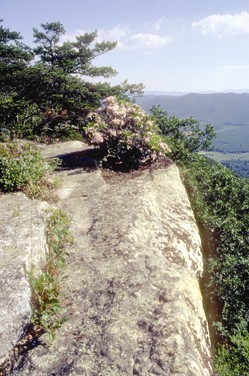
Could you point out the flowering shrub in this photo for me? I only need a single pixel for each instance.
(125, 133)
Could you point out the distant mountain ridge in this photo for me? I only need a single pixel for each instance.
(215, 108)
(164, 92)
(228, 112)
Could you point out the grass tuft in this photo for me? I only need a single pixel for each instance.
(48, 311)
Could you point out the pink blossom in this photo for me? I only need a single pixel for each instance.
(116, 122)
(164, 147)
(112, 132)
(97, 138)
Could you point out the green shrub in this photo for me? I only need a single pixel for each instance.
(233, 359)
(21, 165)
(47, 308)
(220, 200)
(125, 133)
(184, 136)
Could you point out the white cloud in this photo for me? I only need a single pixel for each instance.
(149, 41)
(222, 25)
(126, 39)
(116, 33)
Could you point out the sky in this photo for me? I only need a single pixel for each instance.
(168, 45)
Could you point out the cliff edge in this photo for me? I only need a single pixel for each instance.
(131, 286)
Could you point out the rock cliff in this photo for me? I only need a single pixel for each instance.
(131, 286)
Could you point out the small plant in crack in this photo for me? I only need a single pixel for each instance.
(47, 307)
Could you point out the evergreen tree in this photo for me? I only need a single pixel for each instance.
(14, 58)
(71, 57)
(51, 96)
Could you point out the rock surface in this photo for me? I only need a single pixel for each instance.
(22, 244)
(131, 290)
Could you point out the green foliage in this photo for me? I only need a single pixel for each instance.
(126, 135)
(240, 167)
(124, 90)
(58, 235)
(47, 307)
(233, 359)
(21, 165)
(184, 136)
(64, 98)
(71, 57)
(49, 98)
(220, 200)
(233, 138)
(228, 112)
(14, 58)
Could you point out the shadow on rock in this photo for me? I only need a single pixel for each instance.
(88, 160)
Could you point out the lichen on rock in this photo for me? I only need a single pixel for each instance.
(134, 305)
(22, 245)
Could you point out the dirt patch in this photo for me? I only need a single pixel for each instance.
(112, 176)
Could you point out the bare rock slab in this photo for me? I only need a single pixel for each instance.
(22, 244)
(134, 305)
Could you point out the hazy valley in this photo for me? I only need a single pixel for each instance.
(227, 112)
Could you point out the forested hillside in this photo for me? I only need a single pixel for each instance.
(218, 108)
(228, 112)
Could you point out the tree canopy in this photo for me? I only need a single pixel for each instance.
(185, 136)
(71, 57)
(44, 90)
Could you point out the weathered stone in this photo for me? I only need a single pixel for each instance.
(133, 301)
(22, 244)
(62, 148)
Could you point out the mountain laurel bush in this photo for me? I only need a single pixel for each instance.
(125, 133)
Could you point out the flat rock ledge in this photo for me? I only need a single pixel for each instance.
(131, 289)
(22, 246)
